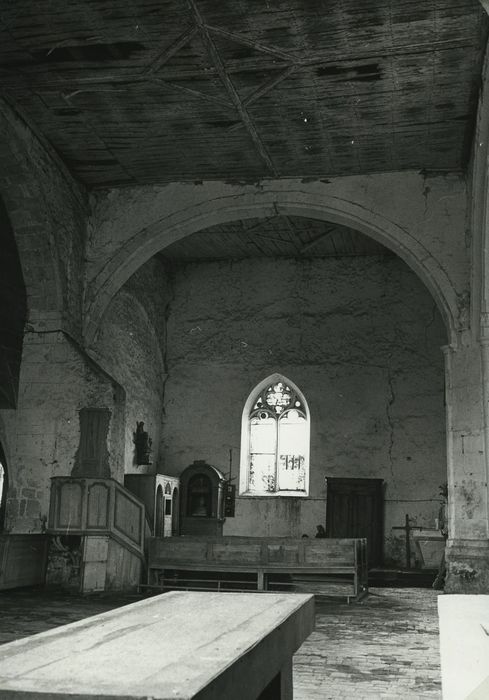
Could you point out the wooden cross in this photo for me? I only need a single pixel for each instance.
(407, 527)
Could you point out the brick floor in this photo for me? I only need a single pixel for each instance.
(384, 647)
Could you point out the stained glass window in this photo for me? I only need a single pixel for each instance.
(278, 440)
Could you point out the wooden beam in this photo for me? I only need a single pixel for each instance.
(231, 90)
(195, 93)
(263, 89)
(322, 237)
(292, 231)
(252, 44)
(170, 51)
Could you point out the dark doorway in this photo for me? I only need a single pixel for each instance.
(354, 508)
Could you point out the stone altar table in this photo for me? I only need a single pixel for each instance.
(178, 646)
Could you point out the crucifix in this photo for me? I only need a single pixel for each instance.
(407, 527)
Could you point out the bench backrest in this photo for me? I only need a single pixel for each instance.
(256, 551)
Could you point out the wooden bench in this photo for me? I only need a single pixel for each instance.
(174, 646)
(333, 559)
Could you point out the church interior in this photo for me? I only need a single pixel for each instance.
(244, 318)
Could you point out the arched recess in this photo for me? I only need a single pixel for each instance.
(150, 240)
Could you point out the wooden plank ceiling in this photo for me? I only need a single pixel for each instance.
(154, 91)
(278, 236)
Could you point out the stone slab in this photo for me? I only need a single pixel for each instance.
(176, 645)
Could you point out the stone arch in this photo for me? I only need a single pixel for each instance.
(155, 237)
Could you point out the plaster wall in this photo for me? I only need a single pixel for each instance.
(41, 437)
(129, 346)
(360, 337)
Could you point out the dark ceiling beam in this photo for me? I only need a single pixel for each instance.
(195, 93)
(316, 240)
(294, 239)
(236, 38)
(259, 224)
(266, 87)
(160, 61)
(231, 90)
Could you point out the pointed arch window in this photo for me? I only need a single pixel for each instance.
(275, 440)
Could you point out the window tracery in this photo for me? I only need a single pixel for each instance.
(277, 441)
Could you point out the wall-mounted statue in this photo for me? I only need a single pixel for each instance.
(143, 444)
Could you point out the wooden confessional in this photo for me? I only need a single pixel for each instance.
(202, 489)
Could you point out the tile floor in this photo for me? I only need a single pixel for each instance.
(384, 647)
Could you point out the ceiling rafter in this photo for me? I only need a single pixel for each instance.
(231, 90)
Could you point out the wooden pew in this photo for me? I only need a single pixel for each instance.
(334, 559)
(174, 646)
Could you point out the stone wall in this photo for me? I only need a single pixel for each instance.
(360, 337)
(129, 346)
(41, 437)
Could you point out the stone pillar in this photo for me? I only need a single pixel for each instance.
(467, 438)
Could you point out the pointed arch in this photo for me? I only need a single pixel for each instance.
(275, 440)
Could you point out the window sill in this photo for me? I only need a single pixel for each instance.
(274, 494)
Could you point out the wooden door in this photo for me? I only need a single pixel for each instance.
(354, 508)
